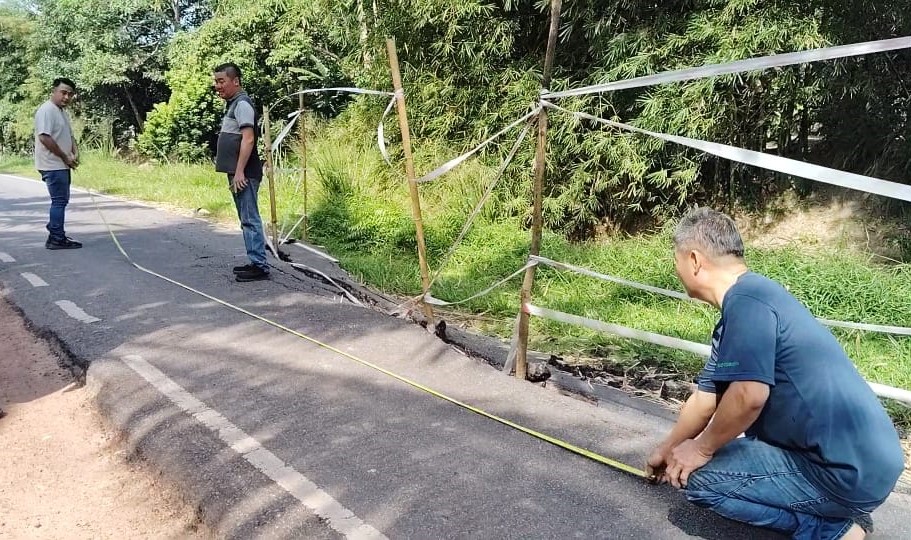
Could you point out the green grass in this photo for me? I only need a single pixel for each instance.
(359, 210)
(367, 225)
(186, 186)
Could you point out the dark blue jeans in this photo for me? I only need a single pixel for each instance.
(756, 483)
(58, 186)
(250, 223)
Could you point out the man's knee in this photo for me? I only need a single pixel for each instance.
(708, 488)
(699, 492)
(703, 497)
(700, 479)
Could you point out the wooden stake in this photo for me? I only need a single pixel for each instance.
(270, 172)
(303, 136)
(409, 172)
(537, 223)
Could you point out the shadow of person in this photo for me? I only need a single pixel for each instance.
(701, 523)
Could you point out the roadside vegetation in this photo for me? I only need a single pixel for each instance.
(359, 212)
(147, 118)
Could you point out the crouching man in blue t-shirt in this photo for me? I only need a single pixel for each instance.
(820, 452)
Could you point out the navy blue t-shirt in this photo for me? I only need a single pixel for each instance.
(819, 406)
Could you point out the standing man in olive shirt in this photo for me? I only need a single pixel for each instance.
(237, 156)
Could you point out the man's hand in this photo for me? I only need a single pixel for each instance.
(694, 417)
(239, 182)
(687, 457)
(655, 466)
(70, 160)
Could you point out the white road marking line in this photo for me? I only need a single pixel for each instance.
(5, 257)
(300, 487)
(75, 311)
(33, 279)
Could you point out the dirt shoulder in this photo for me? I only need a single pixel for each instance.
(62, 471)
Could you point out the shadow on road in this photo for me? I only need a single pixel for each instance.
(401, 459)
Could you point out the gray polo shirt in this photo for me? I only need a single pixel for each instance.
(52, 120)
(238, 115)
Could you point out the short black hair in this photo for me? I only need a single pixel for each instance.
(63, 80)
(228, 68)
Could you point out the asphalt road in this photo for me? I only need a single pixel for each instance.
(275, 437)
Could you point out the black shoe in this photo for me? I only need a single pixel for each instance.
(865, 522)
(65, 243)
(256, 274)
(244, 268)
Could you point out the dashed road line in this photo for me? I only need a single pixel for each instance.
(6, 257)
(34, 279)
(75, 311)
(299, 486)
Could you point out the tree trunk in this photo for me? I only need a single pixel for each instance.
(175, 10)
(136, 114)
(366, 57)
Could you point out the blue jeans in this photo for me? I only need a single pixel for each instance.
(58, 186)
(756, 483)
(250, 222)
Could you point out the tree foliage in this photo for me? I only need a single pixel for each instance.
(114, 51)
(471, 66)
(15, 31)
(274, 63)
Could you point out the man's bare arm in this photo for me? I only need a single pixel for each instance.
(246, 149)
(54, 148)
(694, 417)
(739, 408)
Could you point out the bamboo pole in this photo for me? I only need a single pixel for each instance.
(537, 217)
(303, 136)
(409, 172)
(270, 172)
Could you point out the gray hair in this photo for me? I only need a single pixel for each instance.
(709, 231)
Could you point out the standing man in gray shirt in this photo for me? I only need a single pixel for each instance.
(55, 155)
(237, 156)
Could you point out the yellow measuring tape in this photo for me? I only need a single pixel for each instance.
(537, 434)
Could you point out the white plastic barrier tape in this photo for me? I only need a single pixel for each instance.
(739, 66)
(437, 302)
(282, 238)
(700, 349)
(455, 162)
(612, 279)
(622, 331)
(381, 132)
(882, 329)
(792, 167)
(345, 292)
(292, 119)
(898, 394)
(481, 202)
(346, 89)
